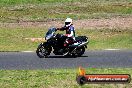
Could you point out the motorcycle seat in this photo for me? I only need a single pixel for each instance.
(81, 38)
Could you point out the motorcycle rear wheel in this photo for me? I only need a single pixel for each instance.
(79, 52)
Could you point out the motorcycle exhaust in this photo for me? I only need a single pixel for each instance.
(84, 43)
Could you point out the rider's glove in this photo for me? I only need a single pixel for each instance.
(56, 29)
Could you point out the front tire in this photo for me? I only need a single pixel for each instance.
(43, 52)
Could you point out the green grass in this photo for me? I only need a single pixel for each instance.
(56, 78)
(43, 10)
(14, 39)
(14, 2)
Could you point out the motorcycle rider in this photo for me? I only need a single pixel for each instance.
(70, 31)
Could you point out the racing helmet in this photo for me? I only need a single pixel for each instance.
(68, 22)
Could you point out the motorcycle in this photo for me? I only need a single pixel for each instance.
(56, 42)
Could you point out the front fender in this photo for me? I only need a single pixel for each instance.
(45, 45)
(42, 44)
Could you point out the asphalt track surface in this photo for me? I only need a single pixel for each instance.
(94, 59)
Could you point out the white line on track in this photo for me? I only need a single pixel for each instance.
(27, 51)
(112, 49)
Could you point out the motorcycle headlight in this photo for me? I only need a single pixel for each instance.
(47, 37)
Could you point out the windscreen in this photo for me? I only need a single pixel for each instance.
(50, 33)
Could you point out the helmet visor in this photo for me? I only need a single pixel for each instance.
(67, 23)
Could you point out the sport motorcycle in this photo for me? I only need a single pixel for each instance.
(55, 42)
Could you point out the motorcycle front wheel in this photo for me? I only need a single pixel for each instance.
(42, 52)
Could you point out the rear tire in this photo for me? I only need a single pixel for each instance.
(79, 52)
